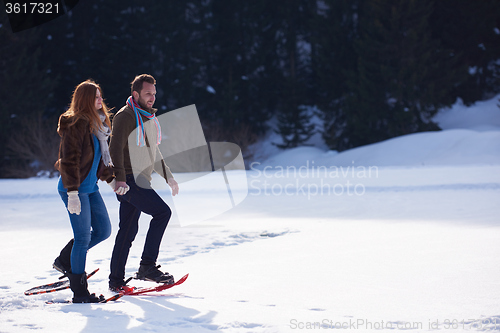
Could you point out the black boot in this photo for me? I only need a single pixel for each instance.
(79, 286)
(63, 262)
(152, 273)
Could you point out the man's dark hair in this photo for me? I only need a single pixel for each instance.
(136, 84)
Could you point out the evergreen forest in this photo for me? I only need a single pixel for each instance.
(369, 69)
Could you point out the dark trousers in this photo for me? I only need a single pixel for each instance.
(138, 199)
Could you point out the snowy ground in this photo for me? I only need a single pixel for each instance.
(399, 235)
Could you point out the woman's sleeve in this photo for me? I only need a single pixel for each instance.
(71, 153)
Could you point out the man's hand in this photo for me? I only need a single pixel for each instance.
(120, 188)
(174, 186)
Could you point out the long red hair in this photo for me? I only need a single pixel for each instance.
(83, 106)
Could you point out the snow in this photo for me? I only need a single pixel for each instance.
(449, 147)
(211, 89)
(482, 116)
(401, 234)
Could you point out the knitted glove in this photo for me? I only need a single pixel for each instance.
(74, 206)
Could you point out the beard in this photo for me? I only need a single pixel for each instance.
(144, 106)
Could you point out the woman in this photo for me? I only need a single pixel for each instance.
(83, 159)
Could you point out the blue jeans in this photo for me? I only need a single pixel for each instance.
(90, 228)
(138, 199)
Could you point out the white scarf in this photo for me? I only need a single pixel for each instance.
(103, 135)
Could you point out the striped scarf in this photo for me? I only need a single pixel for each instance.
(138, 120)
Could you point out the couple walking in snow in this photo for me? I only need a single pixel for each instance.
(84, 158)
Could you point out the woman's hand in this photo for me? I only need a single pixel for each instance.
(74, 205)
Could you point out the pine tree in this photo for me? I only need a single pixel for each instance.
(403, 75)
(128, 41)
(294, 122)
(181, 58)
(264, 78)
(226, 61)
(27, 90)
(67, 50)
(240, 62)
(334, 60)
(471, 30)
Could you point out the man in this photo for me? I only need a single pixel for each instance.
(138, 114)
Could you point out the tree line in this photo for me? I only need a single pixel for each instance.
(370, 69)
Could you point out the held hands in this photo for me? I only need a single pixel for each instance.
(74, 205)
(174, 186)
(120, 188)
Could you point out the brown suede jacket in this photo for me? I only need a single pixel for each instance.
(76, 154)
